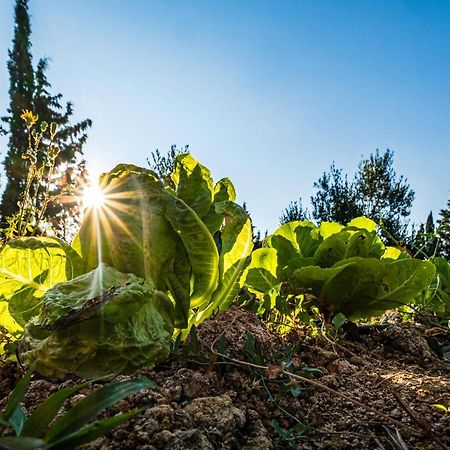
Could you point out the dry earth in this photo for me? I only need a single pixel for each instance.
(216, 403)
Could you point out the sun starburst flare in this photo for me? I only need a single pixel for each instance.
(105, 207)
(93, 197)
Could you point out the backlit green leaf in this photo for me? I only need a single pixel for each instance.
(261, 274)
(29, 267)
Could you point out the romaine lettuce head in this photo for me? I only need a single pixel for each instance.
(145, 229)
(99, 323)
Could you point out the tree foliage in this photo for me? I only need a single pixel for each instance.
(164, 165)
(444, 231)
(294, 211)
(30, 90)
(336, 198)
(383, 196)
(374, 191)
(425, 243)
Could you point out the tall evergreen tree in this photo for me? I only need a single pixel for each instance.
(424, 244)
(383, 196)
(30, 90)
(21, 90)
(444, 231)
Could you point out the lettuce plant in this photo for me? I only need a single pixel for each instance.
(192, 241)
(436, 298)
(189, 241)
(99, 323)
(338, 269)
(28, 268)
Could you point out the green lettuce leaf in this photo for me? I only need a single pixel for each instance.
(261, 274)
(99, 323)
(139, 230)
(130, 232)
(28, 268)
(223, 191)
(237, 245)
(333, 249)
(194, 184)
(200, 247)
(363, 287)
(405, 279)
(362, 223)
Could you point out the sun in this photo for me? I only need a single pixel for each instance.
(93, 197)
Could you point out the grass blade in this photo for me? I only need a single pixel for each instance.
(18, 394)
(14, 413)
(87, 409)
(43, 415)
(92, 431)
(17, 419)
(21, 443)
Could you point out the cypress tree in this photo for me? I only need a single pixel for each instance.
(21, 77)
(30, 90)
(444, 231)
(424, 243)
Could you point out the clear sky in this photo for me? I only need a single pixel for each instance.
(269, 93)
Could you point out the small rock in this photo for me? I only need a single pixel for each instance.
(162, 414)
(216, 412)
(259, 438)
(252, 415)
(342, 366)
(75, 399)
(162, 438)
(188, 440)
(196, 386)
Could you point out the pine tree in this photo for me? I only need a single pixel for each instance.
(424, 244)
(30, 90)
(383, 196)
(444, 231)
(374, 191)
(21, 91)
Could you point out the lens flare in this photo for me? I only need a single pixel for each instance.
(93, 197)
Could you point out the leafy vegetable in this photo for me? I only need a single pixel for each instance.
(189, 240)
(345, 270)
(228, 224)
(99, 323)
(364, 287)
(28, 267)
(436, 298)
(237, 244)
(192, 241)
(141, 229)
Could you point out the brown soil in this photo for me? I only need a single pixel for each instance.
(208, 402)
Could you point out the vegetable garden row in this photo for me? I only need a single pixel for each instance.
(155, 260)
(151, 263)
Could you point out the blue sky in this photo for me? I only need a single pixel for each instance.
(269, 93)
